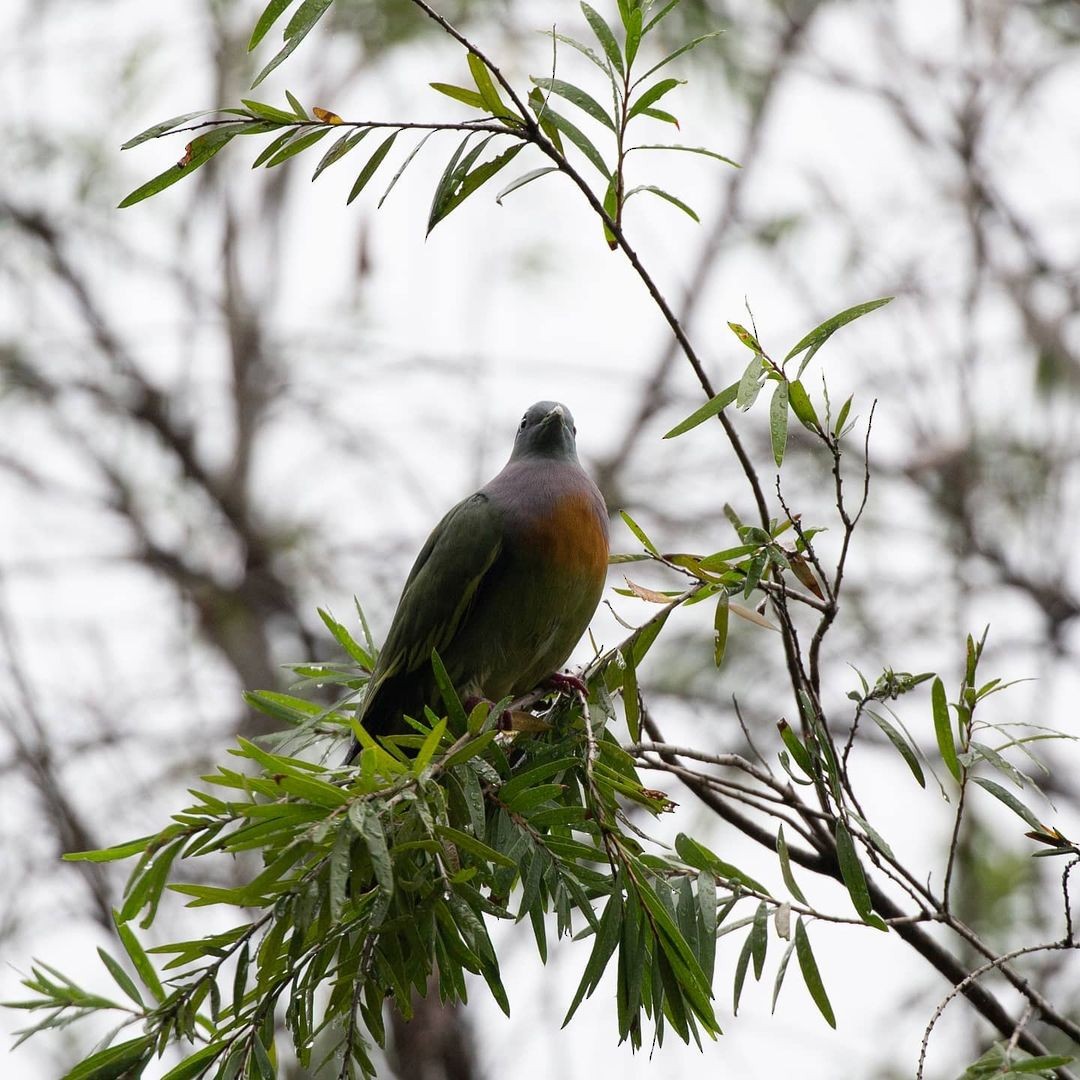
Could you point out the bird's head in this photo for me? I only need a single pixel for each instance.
(546, 430)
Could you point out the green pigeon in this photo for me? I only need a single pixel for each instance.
(505, 585)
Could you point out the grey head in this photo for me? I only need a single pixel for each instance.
(546, 431)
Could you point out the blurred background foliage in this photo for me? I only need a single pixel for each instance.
(239, 401)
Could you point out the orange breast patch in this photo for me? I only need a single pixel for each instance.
(572, 538)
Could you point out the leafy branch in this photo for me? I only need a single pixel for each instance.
(369, 880)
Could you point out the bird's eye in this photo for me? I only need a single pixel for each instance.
(574, 429)
(524, 421)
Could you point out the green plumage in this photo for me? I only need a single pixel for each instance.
(505, 585)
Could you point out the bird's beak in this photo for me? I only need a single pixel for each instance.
(555, 414)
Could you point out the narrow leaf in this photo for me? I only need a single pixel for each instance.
(339, 150)
(469, 183)
(576, 96)
(271, 13)
(802, 406)
(653, 94)
(525, 178)
(488, 92)
(902, 746)
(720, 628)
(605, 36)
(688, 150)
(852, 872)
(778, 422)
(785, 870)
(750, 384)
(811, 975)
(711, 407)
(368, 171)
(674, 200)
(943, 729)
(820, 334)
(1011, 801)
(459, 93)
(200, 150)
(679, 52)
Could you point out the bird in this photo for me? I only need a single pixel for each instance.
(504, 587)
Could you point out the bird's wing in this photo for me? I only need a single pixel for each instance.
(440, 590)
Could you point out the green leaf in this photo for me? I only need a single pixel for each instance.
(581, 48)
(701, 858)
(852, 872)
(759, 938)
(115, 1062)
(195, 1065)
(811, 975)
(123, 979)
(268, 112)
(272, 147)
(686, 149)
(525, 178)
(742, 965)
(842, 417)
(711, 407)
(797, 750)
(902, 746)
(165, 126)
(943, 728)
(633, 33)
(535, 775)
(298, 144)
(802, 406)
(271, 13)
(605, 36)
(299, 111)
(373, 162)
(746, 338)
(720, 628)
(459, 93)
(1011, 801)
(402, 167)
(455, 711)
(666, 9)
(659, 114)
(139, 960)
(785, 870)
(576, 96)
(611, 209)
(278, 59)
(778, 422)
(781, 971)
(469, 182)
(664, 195)
(200, 150)
(110, 854)
(1044, 1064)
(305, 17)
(652, 95)
(820, 334)
(488, 92)
(631, 705)
(339, 150)
(679, 52)
(607, 937)
(573, 133)
(430, 745)
(750, 384)
(639, 532)
(474, 847)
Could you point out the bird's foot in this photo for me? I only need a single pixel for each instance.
(566, 684)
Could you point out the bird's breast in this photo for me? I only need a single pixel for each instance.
(570, 537)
